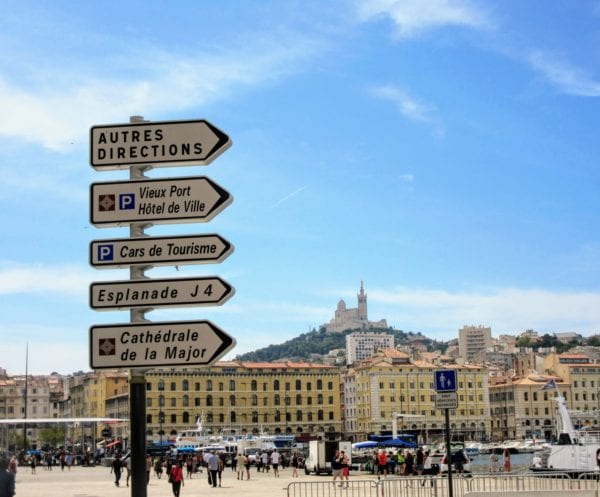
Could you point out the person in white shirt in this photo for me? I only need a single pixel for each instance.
(275, 458)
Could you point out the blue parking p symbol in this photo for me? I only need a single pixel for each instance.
(126, 201)
(106, 252)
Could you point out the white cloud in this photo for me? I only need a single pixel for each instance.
(414, 16)
(409, 106)
(567, 78)
(36, 278)
(504, 309)
(54, 115)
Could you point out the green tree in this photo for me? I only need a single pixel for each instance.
(53, 436)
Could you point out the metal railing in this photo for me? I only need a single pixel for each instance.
(437, 486)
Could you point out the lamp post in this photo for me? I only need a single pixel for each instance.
(161, 420)
(287, 403)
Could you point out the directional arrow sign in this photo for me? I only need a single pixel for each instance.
(167, 143)
(159, 201)
(177, 292)
(159, 251)
(180, 343)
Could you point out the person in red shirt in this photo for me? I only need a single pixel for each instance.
(176, 477)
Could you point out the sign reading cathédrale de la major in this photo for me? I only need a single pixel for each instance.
(160, 143)
(159, 201)
(177, 343)
(173, 292)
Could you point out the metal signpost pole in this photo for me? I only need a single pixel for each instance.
(448, 452)
(137, 377)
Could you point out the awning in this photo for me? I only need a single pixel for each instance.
(112, 444)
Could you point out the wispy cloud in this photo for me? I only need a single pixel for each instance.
(571, 80)
(504, 309)
(18, 278)
(411, 17)
(158, 81)
(409, 106)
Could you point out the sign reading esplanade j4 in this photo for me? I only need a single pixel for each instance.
(180, 343)
(169, 200)
(174, 292)
(166, 143)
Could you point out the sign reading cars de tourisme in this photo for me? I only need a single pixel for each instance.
(166, 143)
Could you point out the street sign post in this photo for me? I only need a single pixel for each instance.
(446, 400)
(150, 293)
(135, 345)
(445, 380)
(159, 251)
(181, 200)
(157, 143)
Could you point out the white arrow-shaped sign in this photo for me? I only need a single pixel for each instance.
(159, 251)
(137, 345)
(158, 201)
(174, 292)
(166, 143)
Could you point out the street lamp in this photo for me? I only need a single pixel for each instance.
(161, 420)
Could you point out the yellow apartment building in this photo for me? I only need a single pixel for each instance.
(390, 385)
(240, 397)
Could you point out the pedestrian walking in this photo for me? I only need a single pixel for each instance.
(494, 462)
(116, 469)
(275, 459)
(176, 478)
(506, 461)
(345, 467)
(294, 463)
(241, 463)
(158, 467)
(213, 469)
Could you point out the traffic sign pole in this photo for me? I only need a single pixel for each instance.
(137, 377)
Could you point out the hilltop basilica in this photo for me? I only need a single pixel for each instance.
(355, 318)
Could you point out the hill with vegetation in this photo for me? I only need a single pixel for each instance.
(302, 347)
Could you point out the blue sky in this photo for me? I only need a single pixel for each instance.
(445, 152)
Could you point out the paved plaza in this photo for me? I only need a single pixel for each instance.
(99, 482)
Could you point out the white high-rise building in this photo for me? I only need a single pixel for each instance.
(360, 346)
(472, 340)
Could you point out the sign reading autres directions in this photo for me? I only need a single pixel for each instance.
(157, 344)
(174, 292)
(160, 143)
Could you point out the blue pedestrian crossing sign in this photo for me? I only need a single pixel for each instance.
(445, 380)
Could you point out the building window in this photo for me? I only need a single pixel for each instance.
(298, 415)
(209, 400)
(276, 399)
(185, 385)
(173, 386)
(197, 386)
(320, 399)
(232, 416)
(232, 400)
(209, 385)
(253, 386)
(320, 415)
(173, 402)
(185, 401)
(232, 385)
(276, 385)
(254, 400)
(173, 418)
(298, 399)
(186, 417)
(161, 385)
(319, 384)
(298, 385)
(220, 386)
(197, 402)
(161, 400)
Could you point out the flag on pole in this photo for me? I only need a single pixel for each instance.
(551, 385)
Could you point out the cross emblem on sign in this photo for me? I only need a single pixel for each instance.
(107, 346)
(106, 202)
